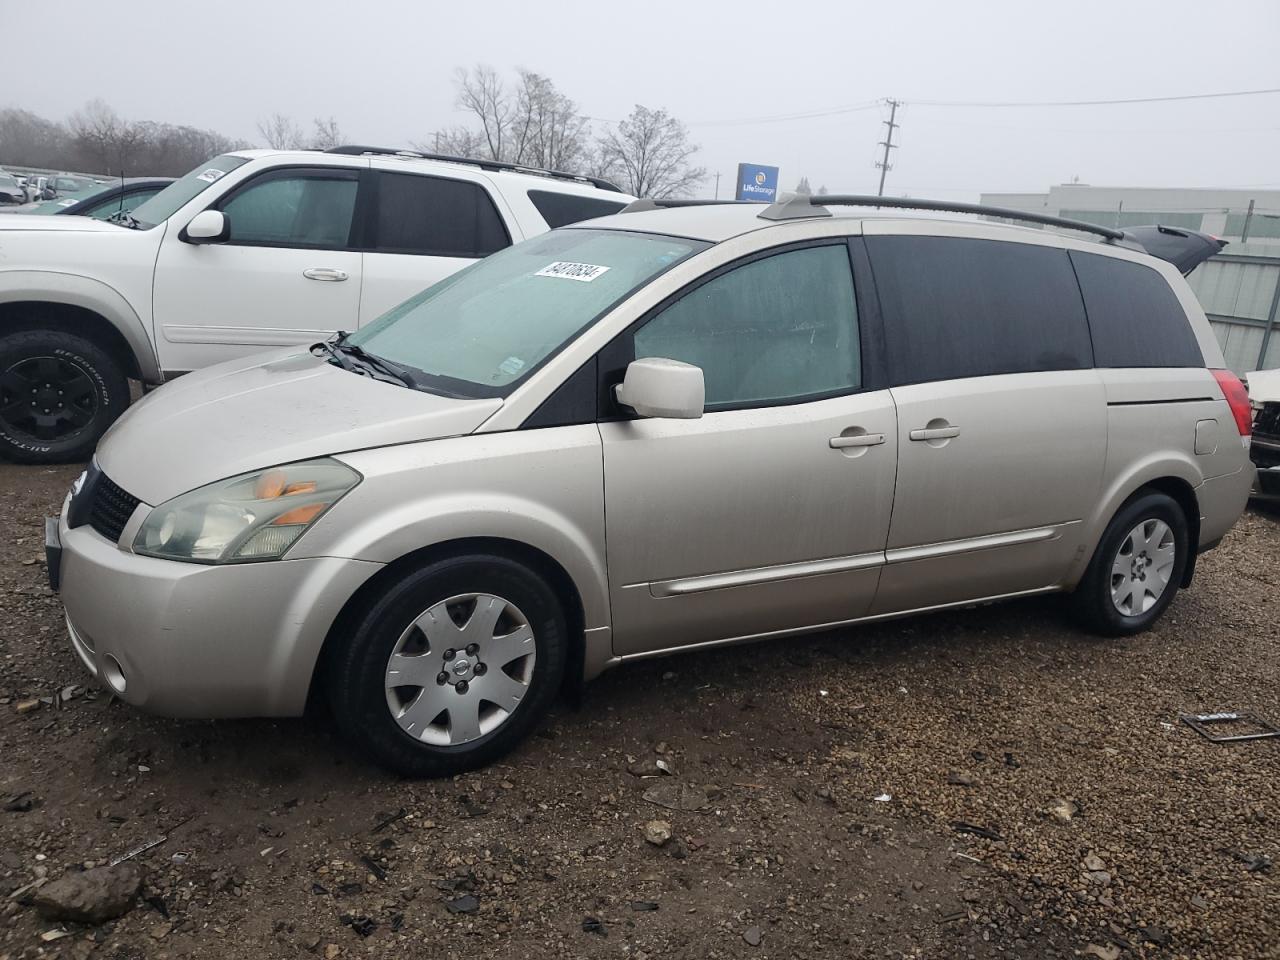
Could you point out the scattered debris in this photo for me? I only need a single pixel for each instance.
(652, 767)
(959, 826)
(882, 797)
(1063, 810)
(20, 803)
(643, 906)
(466, 904)
(89, 896)
(140, 848)
(387, 821)
(161, 930)
(1253, 862)
(752, 935)
(181, 857)
(27, 706)
(1201, 723)
(1109, 952)
(961, 780)
(360, 924)
(1093, 862)
(594, 925)
(157, 904)
(657, 832)
(675, 795)
(375, 868)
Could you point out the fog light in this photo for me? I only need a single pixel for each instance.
(113, 673)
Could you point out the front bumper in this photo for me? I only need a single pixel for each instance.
(191, 640)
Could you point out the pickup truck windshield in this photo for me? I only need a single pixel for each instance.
(173, 197)
(482, 330)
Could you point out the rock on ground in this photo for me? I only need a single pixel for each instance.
(90, 896)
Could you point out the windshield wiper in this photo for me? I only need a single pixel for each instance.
(125, 219)
(381, 364)
(333, 353)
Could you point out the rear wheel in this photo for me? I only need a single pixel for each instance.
(1137, 568)
(58, 394)
(452, 667)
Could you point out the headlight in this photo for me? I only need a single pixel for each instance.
(255, 516)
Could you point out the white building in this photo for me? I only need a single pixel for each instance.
(1239, 289)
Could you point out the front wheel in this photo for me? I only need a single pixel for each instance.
(1137, 567)
(451, 667)
(58, 394)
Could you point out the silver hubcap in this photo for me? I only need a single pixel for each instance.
(460, 669)
(1143, 565)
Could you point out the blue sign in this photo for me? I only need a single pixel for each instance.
(757, 183)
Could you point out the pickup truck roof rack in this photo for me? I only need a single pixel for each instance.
(359, 150)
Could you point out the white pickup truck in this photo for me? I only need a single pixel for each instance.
(252, 250)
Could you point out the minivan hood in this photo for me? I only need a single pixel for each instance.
(1264, 386)
(266, 410)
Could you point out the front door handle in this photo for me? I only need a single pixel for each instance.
(325, 273)
(935, 433)
(857, 440)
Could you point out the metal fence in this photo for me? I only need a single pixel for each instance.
(1241, 295)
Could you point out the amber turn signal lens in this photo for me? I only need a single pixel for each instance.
(305, 486)
(299, 515)
(270, 485)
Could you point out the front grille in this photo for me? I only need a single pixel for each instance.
(111, 508)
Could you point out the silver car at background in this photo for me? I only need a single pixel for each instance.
(665, 429)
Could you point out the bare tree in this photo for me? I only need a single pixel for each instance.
(27, 140)
(802, 188)
(280, 133)
(104, 138)
(327, 135)
(454, 142)
(482, 93)
(650, 154)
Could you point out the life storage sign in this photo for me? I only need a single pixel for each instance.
(757, 183)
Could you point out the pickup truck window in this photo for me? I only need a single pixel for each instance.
(437, 217)
(175, 196)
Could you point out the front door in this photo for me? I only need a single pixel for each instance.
(770, 512)
(286, 275)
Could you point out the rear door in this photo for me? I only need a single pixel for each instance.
(1002, 429)
(770, 512)
(422, 228)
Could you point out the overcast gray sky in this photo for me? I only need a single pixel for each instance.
(384, 70)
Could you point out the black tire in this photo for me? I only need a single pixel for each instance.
(40, 369)
(1093, 597)
(357, 671)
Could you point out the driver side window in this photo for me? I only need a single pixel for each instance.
(780, 329)
(294, 208)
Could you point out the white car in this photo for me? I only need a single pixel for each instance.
(251, 250)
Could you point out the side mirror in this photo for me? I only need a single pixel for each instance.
(208, 226)
(657, 387)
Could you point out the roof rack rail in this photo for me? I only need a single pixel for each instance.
(801, 205)
(359, 150)
(648, 203)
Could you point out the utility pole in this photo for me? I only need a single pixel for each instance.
(1248, 218)
(887, 143)
(717, 186)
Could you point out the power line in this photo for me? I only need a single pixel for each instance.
(1091, 103)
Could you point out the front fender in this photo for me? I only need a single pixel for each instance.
(538, 488)
(48, 286)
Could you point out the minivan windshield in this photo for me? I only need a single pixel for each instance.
(173, 197)
(480, 331)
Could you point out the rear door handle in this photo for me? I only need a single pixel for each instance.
(935, 433)
(857, 440)
(325, 273)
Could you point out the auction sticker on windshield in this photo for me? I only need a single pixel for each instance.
(566, 270)
(210, 175)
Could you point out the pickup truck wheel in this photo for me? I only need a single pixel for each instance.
(58, 394)
(451, 667)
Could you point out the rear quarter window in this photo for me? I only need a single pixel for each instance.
(957, 307)
(1135, 319)
(561, 209)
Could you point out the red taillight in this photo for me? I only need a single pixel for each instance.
(1237, 399)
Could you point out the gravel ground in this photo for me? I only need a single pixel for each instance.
(984, 783)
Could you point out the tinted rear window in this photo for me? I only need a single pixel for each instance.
(957, 308)
(1135, 318)
(434, 216)
(559, 209)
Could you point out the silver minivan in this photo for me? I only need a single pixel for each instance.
(661, 430)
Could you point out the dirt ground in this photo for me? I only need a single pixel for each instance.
(888, 791)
